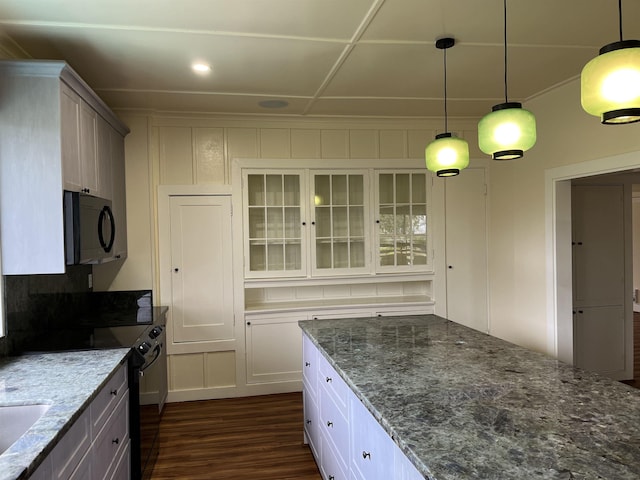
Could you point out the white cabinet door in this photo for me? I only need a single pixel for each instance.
(104, 160)
(201, 263)
(274, 348)
(119, 197)
(70, 138)
(402, 237)
(466, 249)
(88, 148)
(340, 222)
(275, 224)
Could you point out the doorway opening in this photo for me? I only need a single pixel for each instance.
(560, 327)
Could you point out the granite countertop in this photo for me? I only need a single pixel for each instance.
(67, 381)
(464, 405)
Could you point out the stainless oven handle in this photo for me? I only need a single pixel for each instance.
(156, 352)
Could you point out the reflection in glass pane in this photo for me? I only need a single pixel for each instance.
(323, 221)
(341, 254)
(274, 190)
(356, 221)
(322, 190)
(418, 188)
(403, 251)
(403, 220)
(256, 189)
(293, 256)
(356, 190)
(402, 188)
(385, 188)
(257, 257)
(338, 189)
(256, 222)
(275, 222)
(291, 190)
(419, 251)
(419, 224)
(340, 222)
(356, 253)
(387, 224)
(275, 256)
(387, 250)
(292, 222)
(323, 254)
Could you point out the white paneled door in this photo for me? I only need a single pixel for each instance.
(466, 248)
(201, 268)
(602, 300)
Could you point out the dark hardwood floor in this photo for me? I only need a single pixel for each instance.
(237, 438)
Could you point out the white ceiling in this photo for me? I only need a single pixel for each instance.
(325, 57)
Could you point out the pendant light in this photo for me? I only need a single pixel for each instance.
(610, 83)
(447, 154)
(509, 130)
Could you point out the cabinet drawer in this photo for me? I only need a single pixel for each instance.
(111, 440)
(331, 467)
(67, 454)
(332, 383)
(335, 427)
(122, 470)
(107, 399)
(83, 471)
(309, 363)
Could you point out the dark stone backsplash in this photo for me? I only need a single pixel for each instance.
(38, 307)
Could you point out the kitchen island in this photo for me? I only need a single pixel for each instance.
(68, 382)
(461, 404)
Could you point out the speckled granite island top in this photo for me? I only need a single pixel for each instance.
(464, 405)
(67, 381)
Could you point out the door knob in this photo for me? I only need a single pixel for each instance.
(450, 267)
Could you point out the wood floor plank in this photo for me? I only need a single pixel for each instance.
(238, 438)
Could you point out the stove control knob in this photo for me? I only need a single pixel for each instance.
(155, 332)
(144, 347)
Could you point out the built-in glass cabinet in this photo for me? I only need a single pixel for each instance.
(318, 223)
(402, 235)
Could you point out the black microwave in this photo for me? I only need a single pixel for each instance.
(89, 228)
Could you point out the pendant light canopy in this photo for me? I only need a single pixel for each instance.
(610, 83)
(447, 154)
(509, 130)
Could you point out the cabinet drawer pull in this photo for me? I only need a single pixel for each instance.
(329, 424)
(366, 455)
(115, 441)
(114, 392)
(331, 477)
(307, 364)
(308, 422)
(329, 379)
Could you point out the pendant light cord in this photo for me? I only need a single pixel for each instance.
(505, 53)
(620, 17)
(446, 127)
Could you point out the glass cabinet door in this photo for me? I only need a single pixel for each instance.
(273, 224)
(340, 243)
(402, 234)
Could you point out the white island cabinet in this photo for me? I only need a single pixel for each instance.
(55, 134)
(345, 439)
(97, 445)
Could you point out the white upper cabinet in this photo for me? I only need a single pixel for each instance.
(50, 140)
(275, 224)
(402, 236)
(322, 223)
(340, 222)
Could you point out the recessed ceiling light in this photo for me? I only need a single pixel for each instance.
(201, 67)
(273, 103)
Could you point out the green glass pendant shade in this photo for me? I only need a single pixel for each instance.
(447, 155)
(507, 132)
(610, 83)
